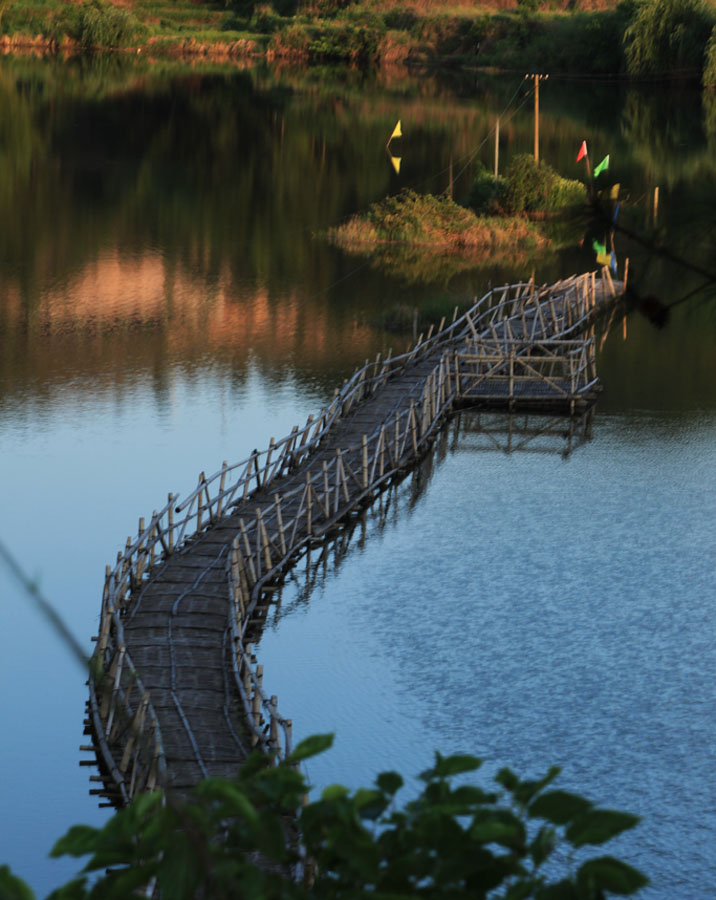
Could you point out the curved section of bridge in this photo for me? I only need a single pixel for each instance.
(176, 694)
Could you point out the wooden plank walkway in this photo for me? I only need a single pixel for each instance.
(176, 694)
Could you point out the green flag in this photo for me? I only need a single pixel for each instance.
(599, 249)
(603, 166)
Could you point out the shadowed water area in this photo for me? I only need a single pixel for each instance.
(167, 302)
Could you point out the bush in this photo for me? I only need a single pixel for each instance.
(101, 25)
(533, 187)
(487, 193)
(246, 838)
(709, 78)
(668, 37)
(348, 42)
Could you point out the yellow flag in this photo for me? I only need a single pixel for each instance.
(614, 192)
(396, 163)
(603, 259)
(396, 132)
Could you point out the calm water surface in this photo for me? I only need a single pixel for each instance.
(165, 304)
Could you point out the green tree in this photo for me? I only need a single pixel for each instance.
(668, 37)
(244, 838)
(709, 78)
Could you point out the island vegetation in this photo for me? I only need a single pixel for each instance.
(418, 236)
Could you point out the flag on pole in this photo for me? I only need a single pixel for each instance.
(614, 262)
(396, 163)
(582, 151)
(603, 166)
(614, 192)
(396, 132)
(599, 249)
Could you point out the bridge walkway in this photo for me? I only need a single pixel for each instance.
(180, 696)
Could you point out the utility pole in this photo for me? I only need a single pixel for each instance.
(537, 79)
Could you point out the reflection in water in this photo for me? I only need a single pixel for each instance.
(478, 432)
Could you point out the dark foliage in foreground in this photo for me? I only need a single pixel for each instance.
(240, 839)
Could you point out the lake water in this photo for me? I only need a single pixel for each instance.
(166, 304)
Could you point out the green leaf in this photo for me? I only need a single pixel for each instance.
(311, 746)
(526, 790)
(143, 804)
(543, 844)
(334, 792)
(599, 825)
(389, 782)
(505, 830)
(520, 890)
(233, 796)
(558, 807)
(560, 890)
(12, 887)
(369, 803)
(445, 766)
(73, 890)
(611, 874)
(79, 841)
(470, 796)
(507, 778)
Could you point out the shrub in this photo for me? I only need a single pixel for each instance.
(239, 839)
(293, 40)
(487, 193)
(668, 37)
(709, 78)
(348, 42)
(536, 187)
(102, 25)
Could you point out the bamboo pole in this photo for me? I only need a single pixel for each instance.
(339, 465)
(307, 428)
(308, 505)
(364, 445)
(269, 454)
(326, 490)
(273, 734)
(279, 519)
(246, 660)
(413, 428)
(133, 731)
(141, 555)
(249, 555)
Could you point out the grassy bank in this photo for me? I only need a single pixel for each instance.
(641, 38)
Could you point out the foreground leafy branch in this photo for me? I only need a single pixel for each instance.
(245, 838)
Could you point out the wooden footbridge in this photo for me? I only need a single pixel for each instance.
(176, 694)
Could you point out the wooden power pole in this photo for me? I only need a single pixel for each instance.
(537, 79)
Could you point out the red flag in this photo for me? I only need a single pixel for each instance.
(582, 151)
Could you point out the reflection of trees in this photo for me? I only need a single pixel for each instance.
(226, 176)
(663, 131)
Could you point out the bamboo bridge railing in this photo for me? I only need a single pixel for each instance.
(531, 330)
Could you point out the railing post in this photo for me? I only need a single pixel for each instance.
(308, 504)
